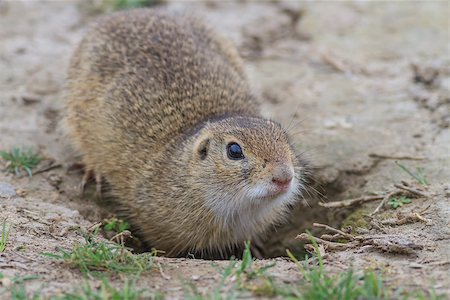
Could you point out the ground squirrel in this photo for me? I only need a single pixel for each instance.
(160, 108)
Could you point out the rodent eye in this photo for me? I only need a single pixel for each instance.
(234, 151)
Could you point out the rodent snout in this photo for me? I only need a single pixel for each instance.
(282, 175)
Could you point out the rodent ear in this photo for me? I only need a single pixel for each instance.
(203, 148)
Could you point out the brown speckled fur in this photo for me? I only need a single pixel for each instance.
(147, 92)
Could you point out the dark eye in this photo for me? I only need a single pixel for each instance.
(234, 151)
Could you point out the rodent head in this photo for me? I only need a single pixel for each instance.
(248, 170)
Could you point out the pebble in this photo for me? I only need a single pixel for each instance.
(6, 190)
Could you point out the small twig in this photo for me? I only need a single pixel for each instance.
(347, 235)
(94, 227)
(400, 157)
(383, 202)
(29, 212)
(396, 244)
(379, 236)
(47, 168)
(13, 265)
(411, 190)
(350, 202)
(438, 263)
(311, 249)
(23, 256)
(334, 63)
(410, 218)
(425, 209)
(162, 273)
(331, 238)
(330, 245)
(359, 200)
(384, 242)
(376, 224)
(120, 237)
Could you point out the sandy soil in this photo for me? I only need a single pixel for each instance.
(362, 82)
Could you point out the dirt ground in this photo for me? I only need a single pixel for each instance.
(366, 84)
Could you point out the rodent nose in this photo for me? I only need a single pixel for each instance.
(282, 175)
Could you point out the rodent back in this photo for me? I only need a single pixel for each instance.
(166, 73)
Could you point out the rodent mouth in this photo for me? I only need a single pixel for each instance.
(274, 191)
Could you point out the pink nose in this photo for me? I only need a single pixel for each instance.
(282, 175)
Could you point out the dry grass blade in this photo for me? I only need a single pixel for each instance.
(412, 190)
(351, 202)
